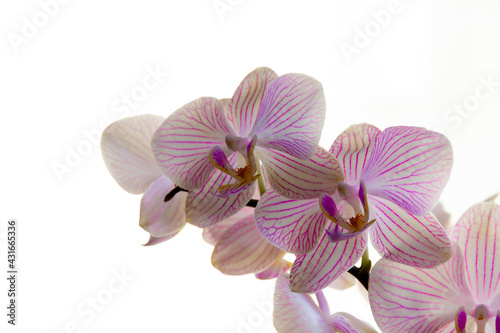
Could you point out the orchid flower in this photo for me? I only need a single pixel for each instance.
(126, 150)
(298, 313)
(461, 295)
(392, 180)
(239, 248)
(276, 121)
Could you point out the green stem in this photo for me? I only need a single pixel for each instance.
(363, 273)
(260, 180)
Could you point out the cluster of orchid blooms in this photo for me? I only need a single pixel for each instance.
(249, 171)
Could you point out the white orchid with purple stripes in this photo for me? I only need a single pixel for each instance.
(462, 295)
(270, 119)
(202, 166)
(392, 180)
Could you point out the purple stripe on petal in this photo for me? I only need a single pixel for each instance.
(244, 105)
(301, 179)
(409, 166)
(292, 225)
(291, 116)
(243, 250)
(296, 313)
(413, 240)
(410, 299)
(182, 143)
(213, 233)
(352, 149)
(478, 234)
(341, 324)
(317, 269)
(204, 209)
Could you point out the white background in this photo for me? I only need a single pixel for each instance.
(77, 229)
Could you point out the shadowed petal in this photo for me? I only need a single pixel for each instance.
(244, 105)
(317, 269)
(296, 313)
(410, 299)
(347, 323)
(352, 149)
(409, 166)
(292, 225)
(301, 179)
(157, 240)
(477, 233)
(214, 232)
(161, 218)
(291, 116)
(243, 250)
(397, 235)
(182, 143)
(126, 150)
(278, 267)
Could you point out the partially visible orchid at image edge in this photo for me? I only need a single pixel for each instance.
(298, 313)
(216, 146)
(393, 178)
(461, 295)
(126, 150)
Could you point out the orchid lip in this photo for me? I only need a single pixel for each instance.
(460, 320)
(244, 176)
(358, 200)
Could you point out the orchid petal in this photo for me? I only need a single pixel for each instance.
(291, 116)
(343, 282)
(126, 150)
(352, 149)
(157, 240)
(478, 233)
(161, 218)
(292, 225)
(204, 209)
(341, 324)
(419, 241)
(410, 299)
(443, 217)
(278, 267)
(356, 324)
(244, 105)
(296, 313)
(301, 179)
(317, 269)
(213, 233)
(409, 166)
(182, 143)
(243, 250)
(218, 158)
